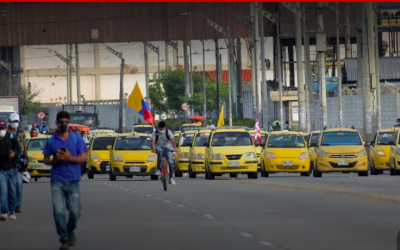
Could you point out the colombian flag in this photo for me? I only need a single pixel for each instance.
(137, 102)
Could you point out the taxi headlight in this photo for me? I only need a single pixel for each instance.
(398, 151)
(250, 155)
(31, 160)
(118, 158)
(303, 156)
(216, 157)
(322, 153)
(94, 157)
(184, 156)
(362, 153)
(271, 155)
(198, 156)
(151, 158)
(381, 153)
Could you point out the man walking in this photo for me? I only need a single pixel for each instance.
(8, 174)
(68, 151)
(18, 134)
(163, 143)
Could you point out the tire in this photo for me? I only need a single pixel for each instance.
(305, 174)
(90, 175)
(178, 173)
(254, 175)
(373, 169)
(154, 177)
(36, 178)
(263, 172)
(316, 173)
(191, 174)
(129, 176)
(311, 167)
(206, 171)
(164, 176)
(391, 171)
(396, 172)
(233, 175)
(211, 176)
(112, 177)
(363, 173)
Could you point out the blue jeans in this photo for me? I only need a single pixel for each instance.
(66, 196)
(8, 182)
(20, 189)
(170, 159)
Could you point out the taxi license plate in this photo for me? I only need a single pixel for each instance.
(287, 163)
(134, 169)
(107, 167)
(233, 164)
(343, 163)
(33, 166)
(47, 167)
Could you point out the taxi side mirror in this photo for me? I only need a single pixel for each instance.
(367, 143)
(109, 147)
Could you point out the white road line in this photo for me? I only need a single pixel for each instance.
(209, 216)
(179, 205)
(167, 201)
(127, 189)
(195, 211)
(266, 243)
(158, 198)
(247, 235)
(149, 195)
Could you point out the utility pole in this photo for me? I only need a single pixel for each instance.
(191, 68)
(300, 72)
(378, 74)
(339, 68)
(70, 71)
(7, 65)
(175, 52)
(78, 75)
(204, 83)
(166, 55)
(122, 126)
(321, 49)
(264, 93)
(146, 72)
(217, 71)
(253, 65)
(256, 56)
(368, 59)
(309, 93)
(69, 89)
(348, 42)
(239, 77)
(186, 72)
(359, 46)
(278, 43)
(230, 71)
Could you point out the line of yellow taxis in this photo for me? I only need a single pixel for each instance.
(233, 151)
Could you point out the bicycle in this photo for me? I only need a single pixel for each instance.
(164, 172)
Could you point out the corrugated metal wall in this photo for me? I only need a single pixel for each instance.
(389, 68)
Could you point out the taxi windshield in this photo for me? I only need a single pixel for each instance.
(37, 144)
(101, 143)
(144, 130)
(186, 140)
(201, 139)
(340, 138)
(231, 139)
(314, 138)
(263, 139)
(384, 138)
(286, 141)
(133, 143)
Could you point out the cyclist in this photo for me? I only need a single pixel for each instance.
(163, 143)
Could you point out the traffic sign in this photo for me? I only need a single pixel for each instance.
(41, 115)
(185, 107)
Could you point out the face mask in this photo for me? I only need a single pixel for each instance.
(64, 127)
(3, 133)
(162, 131)
(14, 125)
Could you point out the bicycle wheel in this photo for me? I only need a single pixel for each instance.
(164, 174)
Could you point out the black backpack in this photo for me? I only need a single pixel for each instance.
(20, 159)
(166, 131)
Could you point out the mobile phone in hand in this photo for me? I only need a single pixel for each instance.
(63, 149)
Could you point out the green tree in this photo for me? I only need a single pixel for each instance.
(157, 98)
(173, 87)
(27, 102)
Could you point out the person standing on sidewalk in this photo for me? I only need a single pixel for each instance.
(18, 134)
(68, 151)
(8, 174)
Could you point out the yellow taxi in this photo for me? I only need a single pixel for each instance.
(176, 137)
(98, 156)
(231, 151)
(312, 143)
(380, 150)
(394, 154)
(36, 167)
(285, 151)
(340, 150)
(143, 128)
(197, 152)
(259, 147)
(97, 132)
(182, 154)
(130, 155)
(190, 127)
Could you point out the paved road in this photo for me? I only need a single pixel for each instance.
(285, 211)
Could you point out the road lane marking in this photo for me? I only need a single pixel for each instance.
(247, 235)
(179, 205)
(195, 211)
(209, 216)
(167, 201)
(266, 243)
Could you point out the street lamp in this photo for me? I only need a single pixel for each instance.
(225, 32)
